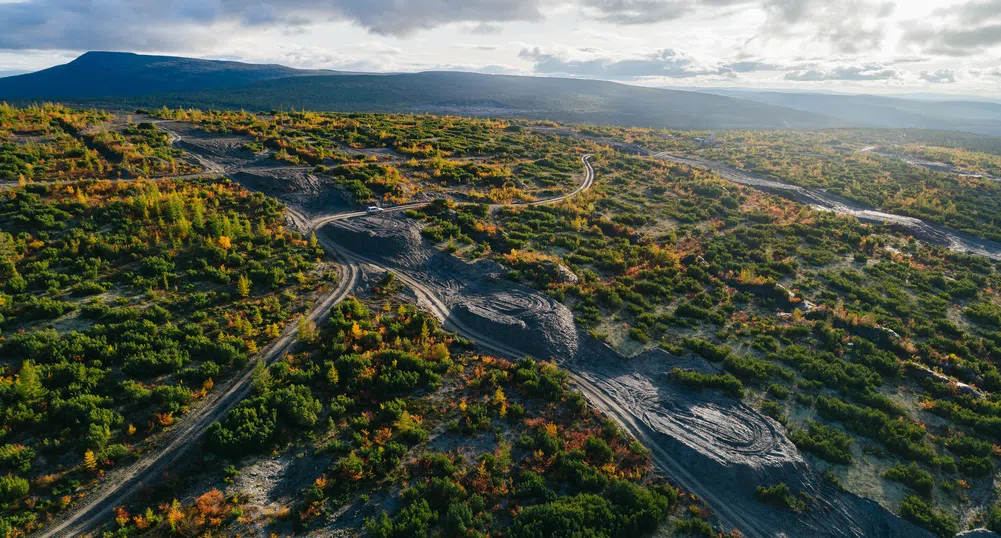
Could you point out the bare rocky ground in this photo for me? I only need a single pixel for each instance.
(934, 166)
(977, 533)
(297, 186)
(475, 293)
(713, 445)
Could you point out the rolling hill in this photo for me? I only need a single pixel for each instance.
(894, 112)
(100, 74)
(123, 81)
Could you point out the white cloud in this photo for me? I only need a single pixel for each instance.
(762, 43)
(939, 77)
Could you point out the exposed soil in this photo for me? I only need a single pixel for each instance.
(475, 293)
(978, 533)
(924, 231)
(227, 155)
(710, 444)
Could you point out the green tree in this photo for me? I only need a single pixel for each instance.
(12, 488)
(28, 387)
(261, 380)
(243, 286)
(306, 330)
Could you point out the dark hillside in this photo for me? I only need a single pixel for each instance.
(97, 74)
(240, 86)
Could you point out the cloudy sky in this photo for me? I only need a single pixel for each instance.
(879, 46)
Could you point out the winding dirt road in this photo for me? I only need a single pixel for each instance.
(167, 450)
(587, 183)
(172, 445)
(599, 398)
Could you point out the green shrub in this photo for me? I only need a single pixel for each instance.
(912, 476)
(696, 380)
(12, 488)
(918, 511)
(751, 368)
(778, 391)
(16, 457)
(827, 442)
(900, 437)
(780, 495)
(976, 466)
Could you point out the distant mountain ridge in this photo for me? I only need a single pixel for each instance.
(125, 80)
(101, 74)
(982, 117)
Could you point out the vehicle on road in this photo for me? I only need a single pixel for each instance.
(374, 209)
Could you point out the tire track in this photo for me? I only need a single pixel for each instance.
(122, 483)
(602, 401)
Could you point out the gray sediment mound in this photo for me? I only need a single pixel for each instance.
(225, 149)
(295, 186)
(667, 362)
(534, 323)
(719, 428)
(476, 294)
(390, 239)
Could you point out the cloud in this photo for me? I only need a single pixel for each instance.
(667, 63)
(662, 63)
(196, 24)
(849, 26)
(635, 11)
(191, 24)
(749, 66)
(946, 76)
(955, 41)
(485, 28)
(650, 11)
(108, 25)
(974, 12)
(844, 72)
(960, 30)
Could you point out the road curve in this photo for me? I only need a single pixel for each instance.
(121, 483)
(935, 234)
(586, 184)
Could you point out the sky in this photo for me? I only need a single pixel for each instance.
(859, 46)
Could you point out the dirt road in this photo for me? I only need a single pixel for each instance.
(172, 445)
(586, 183)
